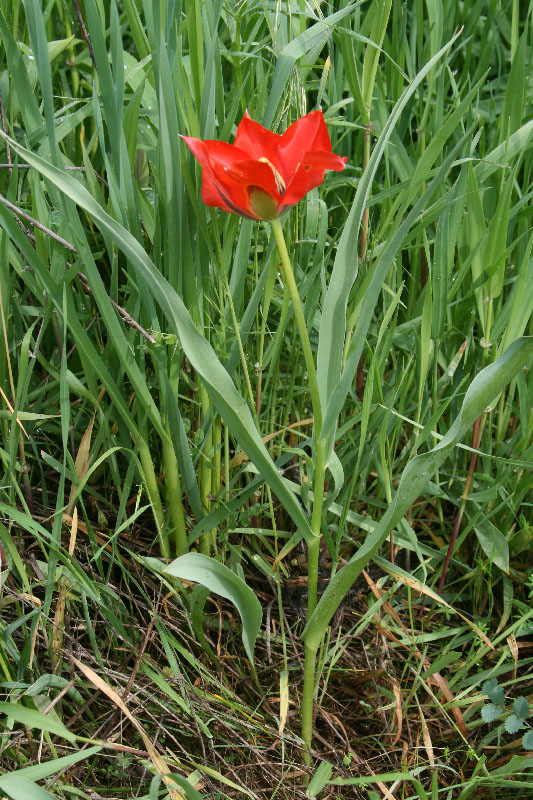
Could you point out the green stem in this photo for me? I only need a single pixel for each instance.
(288, 277)
(307, 703)
(174, 497)
(217, 468)
(205, 470)
(153, 495)
(313, 545)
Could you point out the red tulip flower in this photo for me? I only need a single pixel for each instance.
(263, 174)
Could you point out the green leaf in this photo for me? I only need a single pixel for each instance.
(527, 741)
(513, 106)
(380, 14)
(483, 390)
(442, 661)
(513, 724)
(183, 783)
(38, 772)
(198, 597)
(491, 712)
(20, 788)
(519, 142)
(320, 779)
(521, 707)
(34, 719)
(494, 692)
(492, 541)
(23, 93)
(219, 579)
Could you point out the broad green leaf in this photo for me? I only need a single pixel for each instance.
(483, 390)
(219, 579)
(494, 692)
(521, 707)
(527, 741)
(519, 142)
(380, 15)
(38, 772)
(513, 724)
(34, 719)
(490, 712)
(319, 780)
(492, 541)
(20, 788)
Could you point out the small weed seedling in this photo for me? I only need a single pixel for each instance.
(494, 710)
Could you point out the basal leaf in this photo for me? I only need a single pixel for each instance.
(491, 712)
(219, 579)
(521, 707)
(513, 724)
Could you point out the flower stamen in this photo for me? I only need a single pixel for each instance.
(280, 183)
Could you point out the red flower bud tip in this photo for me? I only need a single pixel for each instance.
(263, 174)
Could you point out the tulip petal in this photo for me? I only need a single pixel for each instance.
(310, 173)
(220, 187)
(306, 135)
(211, 150)
(237, 180)
(256, 141)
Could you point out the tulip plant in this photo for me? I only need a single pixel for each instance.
(261, 177)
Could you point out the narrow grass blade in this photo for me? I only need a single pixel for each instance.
(318, 34)
(34, 719)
